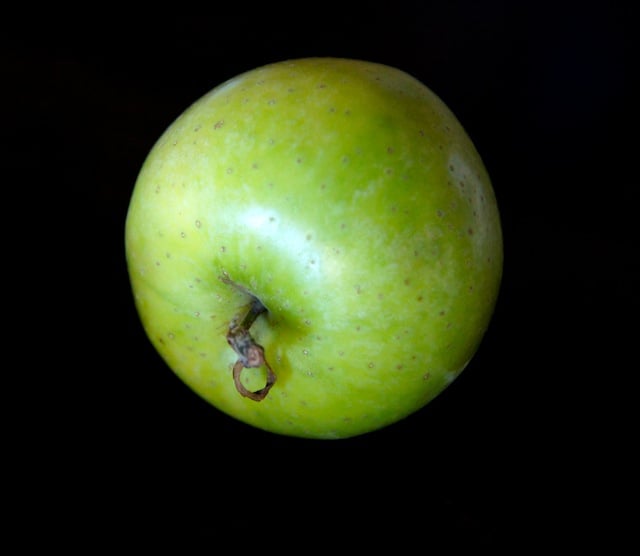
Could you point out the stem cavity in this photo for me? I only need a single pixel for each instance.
(250, 354)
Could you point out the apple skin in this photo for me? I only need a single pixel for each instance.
(347, 198)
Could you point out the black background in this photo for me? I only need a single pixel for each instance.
(528, 444)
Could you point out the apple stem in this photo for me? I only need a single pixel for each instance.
(250, 354)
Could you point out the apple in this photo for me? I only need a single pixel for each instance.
(315, 248)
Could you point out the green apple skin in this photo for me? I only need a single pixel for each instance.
(348, 199)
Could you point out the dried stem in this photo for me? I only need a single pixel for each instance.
(250, 354)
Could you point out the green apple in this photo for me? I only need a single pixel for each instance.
(315, 247)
